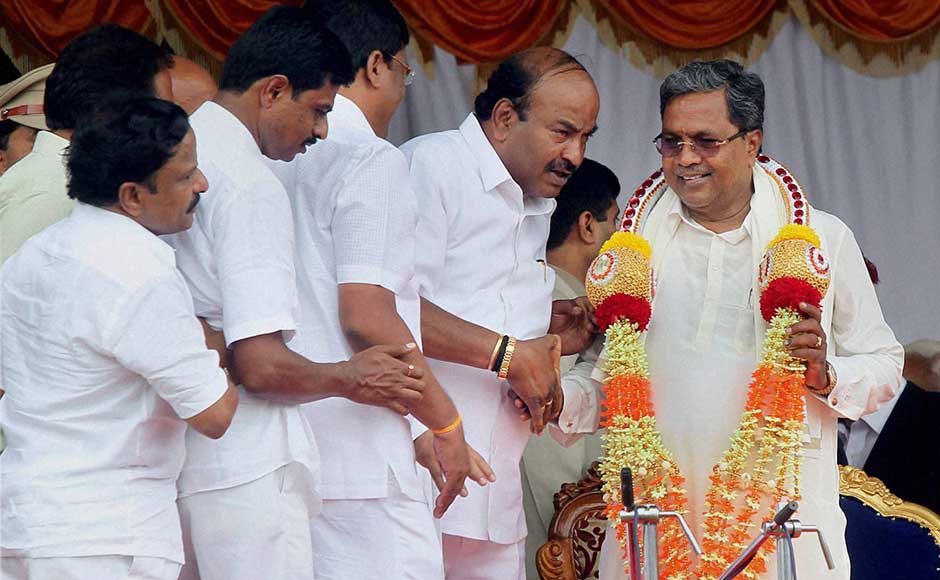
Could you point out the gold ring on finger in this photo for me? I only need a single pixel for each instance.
(819, 341)
(411, 369)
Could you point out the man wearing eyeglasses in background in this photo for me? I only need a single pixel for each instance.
(708, 232)
(355, 217)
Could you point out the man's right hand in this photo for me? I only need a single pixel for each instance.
(534, 374)
(376, 376)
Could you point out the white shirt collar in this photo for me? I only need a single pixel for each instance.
(562, 276)
(128, 227)
(678, 211)
(492, 171)
(231, 126)
(346, 111)
(48, 142)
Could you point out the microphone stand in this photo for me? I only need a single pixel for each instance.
(783, 529)
(647, 516)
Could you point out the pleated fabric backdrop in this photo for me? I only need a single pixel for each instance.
(866, 149)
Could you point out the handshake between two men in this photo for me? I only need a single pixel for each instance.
(535, 376)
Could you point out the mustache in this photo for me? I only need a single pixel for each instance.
(561, 165)
(310, 142)
(695, 170)
(192, 206)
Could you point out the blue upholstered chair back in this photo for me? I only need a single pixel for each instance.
(887, 539)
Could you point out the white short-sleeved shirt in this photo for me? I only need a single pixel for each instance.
(355, 219)
(238, 259)
(482, 257)
(101, 357)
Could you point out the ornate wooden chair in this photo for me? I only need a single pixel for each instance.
(886, 536)
(576, 531)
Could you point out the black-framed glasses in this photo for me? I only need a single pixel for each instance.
(670, 146)
(409, 72)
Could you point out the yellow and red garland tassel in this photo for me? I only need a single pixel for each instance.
(761, 465)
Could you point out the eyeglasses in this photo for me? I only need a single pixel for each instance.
(670, 146)
(409, 72)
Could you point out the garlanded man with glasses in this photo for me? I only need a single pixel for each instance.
(726, 232)
(355, 218)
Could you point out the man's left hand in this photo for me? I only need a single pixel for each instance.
(807, 341)
(573, 320)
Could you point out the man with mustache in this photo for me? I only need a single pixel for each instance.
(246, 501)
(717, 209)
(102, 356)
(484, 200)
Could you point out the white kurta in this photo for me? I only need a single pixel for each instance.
(238, 259)
(481, 257)
(704, 318)
(101, 356)
(355, 217)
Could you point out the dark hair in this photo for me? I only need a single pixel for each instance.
(106, 62)
(124, 141)
(289, 41)
(6, 129)
(515, 78)
(364, 26)
(593, 187)
(744, 91)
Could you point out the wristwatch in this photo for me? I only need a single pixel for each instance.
(831, 379)
(831, 375)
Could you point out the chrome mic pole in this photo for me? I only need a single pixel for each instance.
(629, 517)
(784, 530)
(649, 517)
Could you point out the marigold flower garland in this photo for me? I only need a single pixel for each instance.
(761, 465)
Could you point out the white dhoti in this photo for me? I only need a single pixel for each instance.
(254, 531)
(393, 538)
(88, 568)
(469, 559)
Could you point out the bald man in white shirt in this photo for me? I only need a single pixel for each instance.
(103, 361)
(484, 197)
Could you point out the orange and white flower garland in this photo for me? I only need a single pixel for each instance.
(761, 466)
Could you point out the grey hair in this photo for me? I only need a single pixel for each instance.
(744, 91)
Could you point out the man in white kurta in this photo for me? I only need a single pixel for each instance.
(246, 500)
(355, 218)
(484, 201)
(102, 356)
(355, 215)
(706, 330)
(238, 262)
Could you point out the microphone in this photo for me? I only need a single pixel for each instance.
(626, 488)
(785, 513)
